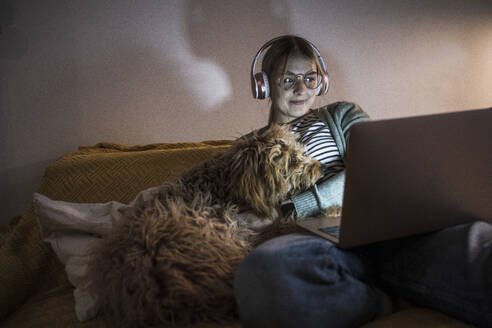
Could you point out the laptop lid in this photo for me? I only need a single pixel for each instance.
(417, 174)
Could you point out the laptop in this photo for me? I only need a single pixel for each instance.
(412, 175)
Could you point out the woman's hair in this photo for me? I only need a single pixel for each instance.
(275, 59)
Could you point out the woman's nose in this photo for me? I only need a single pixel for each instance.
(299, 86)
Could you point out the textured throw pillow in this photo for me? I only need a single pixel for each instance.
(74, 230)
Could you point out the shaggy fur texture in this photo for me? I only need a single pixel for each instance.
(171, 260)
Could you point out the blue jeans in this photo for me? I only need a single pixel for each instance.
(301, 280)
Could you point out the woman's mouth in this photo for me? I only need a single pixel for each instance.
(298, 102)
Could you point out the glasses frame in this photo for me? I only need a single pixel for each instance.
(296, 77)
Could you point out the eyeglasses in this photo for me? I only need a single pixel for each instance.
(311, 80)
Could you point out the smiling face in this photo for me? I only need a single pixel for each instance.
(291, 103)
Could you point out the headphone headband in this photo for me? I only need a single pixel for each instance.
(259, 81)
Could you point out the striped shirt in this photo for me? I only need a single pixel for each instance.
(318, 141)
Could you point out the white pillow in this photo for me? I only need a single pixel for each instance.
(73, 230)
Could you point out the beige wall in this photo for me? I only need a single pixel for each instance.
(135, 72)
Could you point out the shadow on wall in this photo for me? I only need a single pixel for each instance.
(38, 97)
(15, 184)
(161, 78)
(230, 33)
(13, 42)
(13, 45)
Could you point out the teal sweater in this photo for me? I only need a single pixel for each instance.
(339, 117)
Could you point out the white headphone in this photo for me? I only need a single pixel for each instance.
(259, 81)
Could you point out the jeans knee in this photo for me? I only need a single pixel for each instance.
(264, 262)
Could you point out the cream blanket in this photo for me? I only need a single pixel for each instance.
(73, 231)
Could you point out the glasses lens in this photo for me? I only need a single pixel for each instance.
(312, 81)
(288, 82)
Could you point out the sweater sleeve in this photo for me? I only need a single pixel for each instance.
(320, 197)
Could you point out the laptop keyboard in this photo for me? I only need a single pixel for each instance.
(332, 231)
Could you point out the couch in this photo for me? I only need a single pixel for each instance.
(34, 289)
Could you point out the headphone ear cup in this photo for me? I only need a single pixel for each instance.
(261, 86)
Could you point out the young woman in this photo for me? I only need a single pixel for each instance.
(301, 280)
